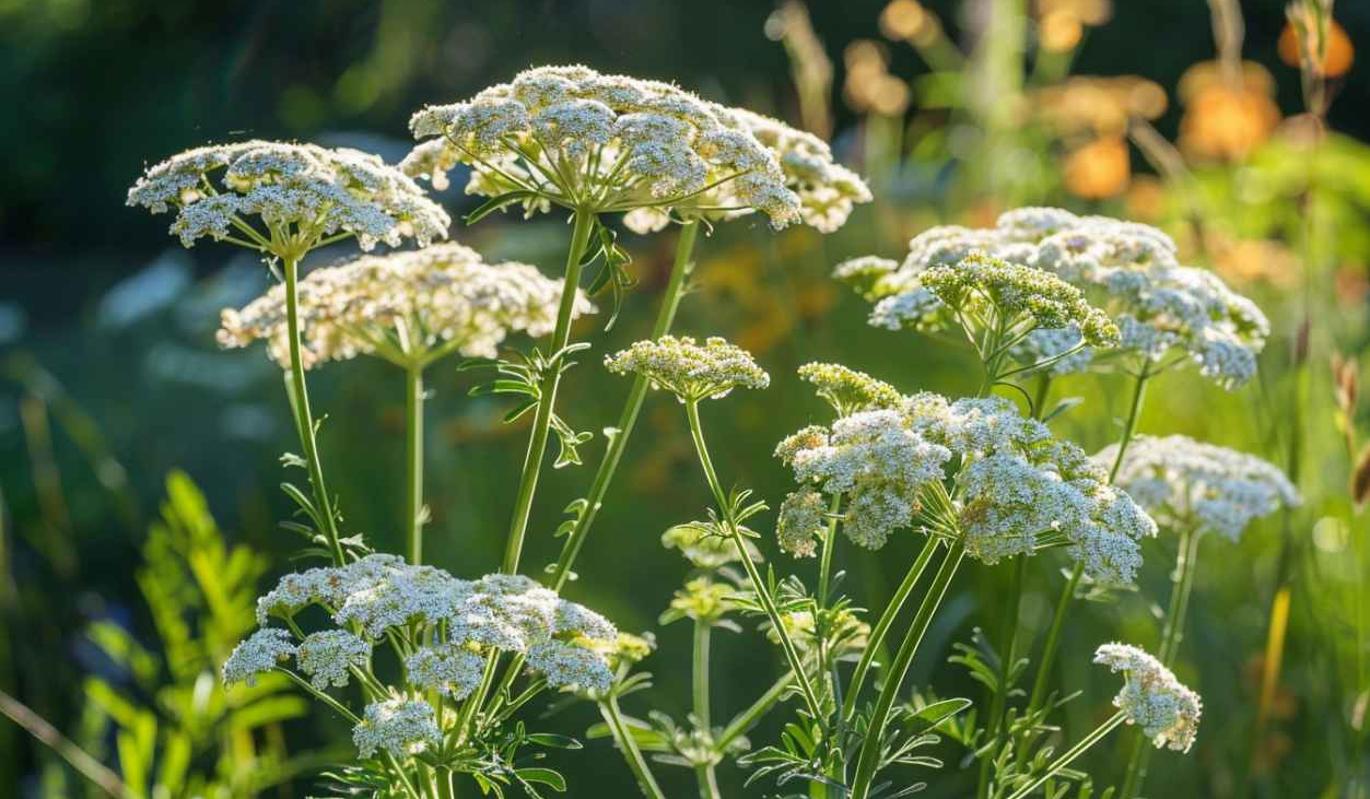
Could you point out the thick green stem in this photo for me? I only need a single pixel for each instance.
(708, 781)
(763, 593)
(1172, 633)
(1053, 640)
(882, 626)
(304, 417)
(1070, 755)
(701, 674)
(829, 544)
(627, 419)
(583, 224)
(413, 472)
(1008, 653)
(623, 737)
(871, 748)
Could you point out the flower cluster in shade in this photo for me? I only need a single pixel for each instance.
(688, 369)
(1162, 309)
(1017, 488)
(454, 623)
(1185, 482)
(409, 307)
(302, 192)
(1165, 710)
(578, 138)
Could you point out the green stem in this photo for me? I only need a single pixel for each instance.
(701, 674)
(882, 626)
(608, 708)
(1039, 684)
(79, 759)
(1008, 653)
(304, 417)
(748, 718)
(871, 748)
(829, 544)
(1130, 424)
(708, 781)
(583, 224)
(1070, 755)
(413, 420)
(763, 593)
(670, 301)
(1172, 632)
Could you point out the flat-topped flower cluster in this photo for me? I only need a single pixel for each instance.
(578, 138)
(690, 370)
(294, 190)
(1017, 487)
(1160, 307)
(407, 307)
(1167, 712)
(1186, 482)
(450, 626)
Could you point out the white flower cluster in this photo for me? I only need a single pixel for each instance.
(799, 525)
(460, 620)
(1130, 270)
(873, 457)
(1018, 488)
(690, 370)
(1182, 481)
(573, 136)
(1151, 698)
(403, 306)
(399, 726)
(827, 190)
(317, 190)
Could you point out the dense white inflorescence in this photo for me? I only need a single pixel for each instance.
(849, 391)
(690, 370)
(1018, 488)
(398, 726)
(260, 652)
(1167, 712)
(296, 190)
(458, 622)
(799, 525)
(1161, 308)
(406, 307)
(1186, 482)
(572, 136)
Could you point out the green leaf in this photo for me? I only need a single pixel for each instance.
(499, 203)
(543, 776)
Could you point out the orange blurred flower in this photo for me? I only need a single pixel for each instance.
(1146, 199)
(1337, 57)
(869, 86)
(1101, 106)
(1099, 169)
(1226, 119)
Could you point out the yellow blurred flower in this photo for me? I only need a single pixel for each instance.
(1146, 199)
(1243, 262)
(1337, 56)
(1101, 106)
(869, 86)
(1226, 119)
(1099, 169)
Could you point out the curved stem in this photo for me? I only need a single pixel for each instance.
(304, 417)
(413, 422)
(763, 593)
(608, 708)
(1130, 424)
(613, 453)
(1008, 653)
(1070, 755)
(583, 224)
(869, 760)
(1172, 632)
(882, 626)
(1039, 684)
(748, 718)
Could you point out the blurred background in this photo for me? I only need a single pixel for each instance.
(117, 602)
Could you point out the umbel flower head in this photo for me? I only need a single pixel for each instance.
(287, 198)
(409, 307)
(849, 391)
(1165, 312)
(1018, 488)
(399, 726)
(1167, 712)
(691, 371)
(573, 137)
(1186, 482)
(458, 621)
